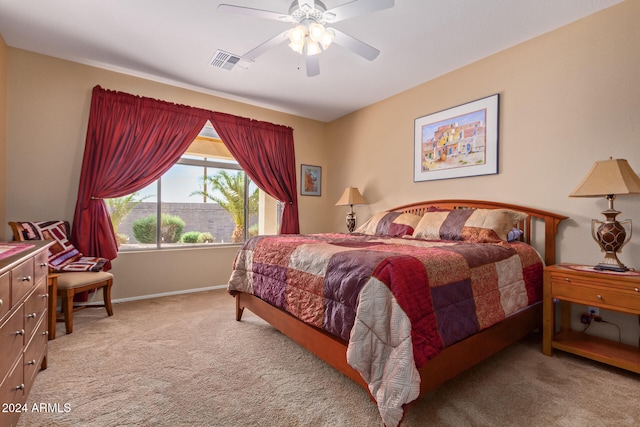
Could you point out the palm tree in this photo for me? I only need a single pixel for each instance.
(119, 208)
(230, 186)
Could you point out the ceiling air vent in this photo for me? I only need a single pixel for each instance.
(229, 61)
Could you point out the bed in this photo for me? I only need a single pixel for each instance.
(416, 296)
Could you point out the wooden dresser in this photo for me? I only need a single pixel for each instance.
(23, 327)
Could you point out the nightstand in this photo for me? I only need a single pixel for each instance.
(578, 284)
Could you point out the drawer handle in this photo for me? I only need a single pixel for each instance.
(20, 387)
(26, 279)
(32, 315)
(31, 362)
(20, 332)
(636, 289)
(599, 296)
(43, 264)
(567, 279)
(44, 295)
(45, 333)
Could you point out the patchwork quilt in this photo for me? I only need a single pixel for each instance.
(398, 301)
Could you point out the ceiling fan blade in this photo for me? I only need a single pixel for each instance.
(312, 64)
(356, 46)
(272, 42)
(356, 8)
(257, 13)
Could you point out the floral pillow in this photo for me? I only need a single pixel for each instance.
(470, 225)
(63, 256)
(394, 224)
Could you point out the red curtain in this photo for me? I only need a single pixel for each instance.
(266, 153)
(131, 141)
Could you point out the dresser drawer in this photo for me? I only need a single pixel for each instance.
(588, 294)
(41, 266)
(22, 280)
(12, 338)
(5, 294)
(35, 352)
(12, 393)
(34, 309)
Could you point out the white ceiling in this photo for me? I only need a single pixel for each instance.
(173, 41)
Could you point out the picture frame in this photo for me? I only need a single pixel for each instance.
(310, 180)
(457, 142)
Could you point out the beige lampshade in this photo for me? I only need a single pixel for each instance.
(608, 177)
(351, 196)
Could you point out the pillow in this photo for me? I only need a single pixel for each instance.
(63, 256)
(395, 224)
(470, 225)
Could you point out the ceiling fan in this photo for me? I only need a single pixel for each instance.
(310, 34)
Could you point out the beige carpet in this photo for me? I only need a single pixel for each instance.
(185, 361)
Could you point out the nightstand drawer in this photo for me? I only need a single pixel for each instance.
(589, 294)
(615, 283)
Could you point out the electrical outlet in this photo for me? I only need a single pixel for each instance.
(594, 311)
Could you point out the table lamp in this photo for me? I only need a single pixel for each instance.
(609, 178)
(351, 196)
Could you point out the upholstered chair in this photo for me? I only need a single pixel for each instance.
(77, 274)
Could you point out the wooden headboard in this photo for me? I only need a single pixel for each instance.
(550, 219)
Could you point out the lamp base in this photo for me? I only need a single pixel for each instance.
(611, 236)
(351, 221)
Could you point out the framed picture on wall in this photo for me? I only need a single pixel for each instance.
(457, 142)
(310, 180)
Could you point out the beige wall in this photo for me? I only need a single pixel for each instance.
(4, 53)
(49, 103)
(567, 99)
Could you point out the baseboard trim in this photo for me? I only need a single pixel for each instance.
(150, 296)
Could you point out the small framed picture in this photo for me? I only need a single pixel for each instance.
(310, 180)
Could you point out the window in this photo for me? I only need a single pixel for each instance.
(204, 199)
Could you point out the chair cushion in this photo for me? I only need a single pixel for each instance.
(81, 278)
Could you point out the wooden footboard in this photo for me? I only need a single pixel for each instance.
(459, 357)
(449, 363)
(327, 347)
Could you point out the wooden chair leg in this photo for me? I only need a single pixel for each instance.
(67, 310)
(106, 293)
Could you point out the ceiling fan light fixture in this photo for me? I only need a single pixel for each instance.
(298, 34)
(313, 48)
(327, 38)
(316, 31)
(297, 47)
(310, 37)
